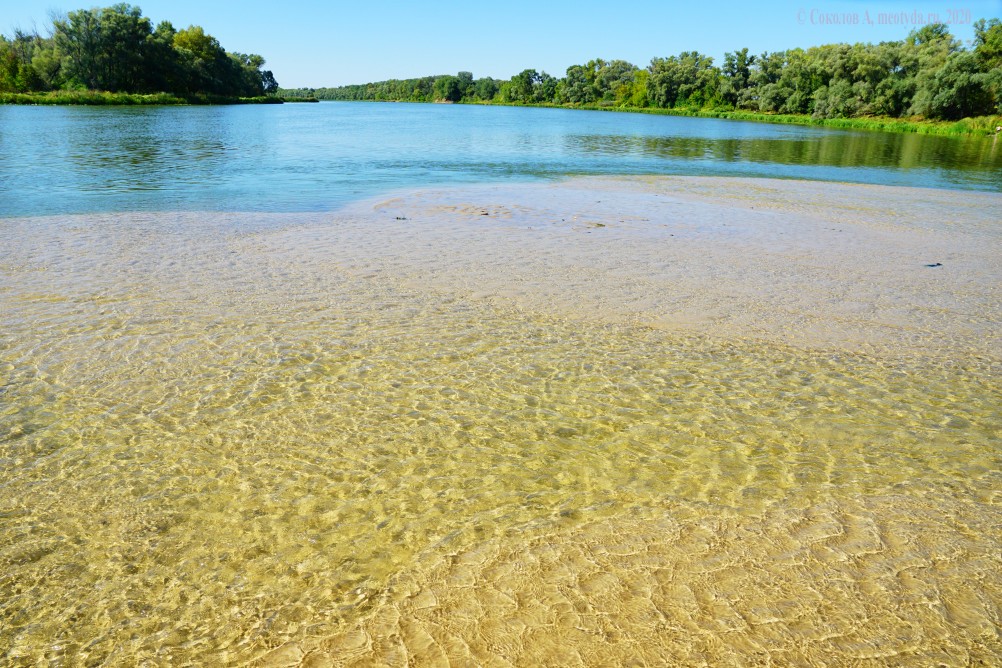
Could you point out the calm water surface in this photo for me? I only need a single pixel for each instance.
(303, 157)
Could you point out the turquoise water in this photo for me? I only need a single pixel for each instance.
(302, 157)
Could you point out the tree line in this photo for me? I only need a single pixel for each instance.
(928, 74)
(117, 49)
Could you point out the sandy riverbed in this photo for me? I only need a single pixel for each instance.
(689, 421)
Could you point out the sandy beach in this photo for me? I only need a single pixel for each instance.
(602, 421)
(793, 262)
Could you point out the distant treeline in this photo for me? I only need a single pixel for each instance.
(117, 49)
(928, 74)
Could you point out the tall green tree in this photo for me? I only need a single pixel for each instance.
(929, 47)
(448, 88)
(689, 79)
(485, 89)
(204, 62)
(614, 79)
(958, 89)
(988, 48)
(117, 49)
(579, 84)
(164, 69)
(545, 88)
(17, 72)
(123, 37)
(736, 75)
(522, 86)
(78, 38)
(465, 84)
(988, 43)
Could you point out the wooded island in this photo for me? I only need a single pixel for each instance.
(117, 50)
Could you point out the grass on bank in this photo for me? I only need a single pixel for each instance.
(99, 98)
(980, 125)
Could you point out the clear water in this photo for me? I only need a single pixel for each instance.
(230, 438)
(316, 157)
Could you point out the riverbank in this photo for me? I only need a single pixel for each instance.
(671, 420)
(100, 98)
(982, 125)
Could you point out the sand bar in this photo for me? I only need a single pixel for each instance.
(795, 262)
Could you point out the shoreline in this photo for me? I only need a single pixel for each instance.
(983, 126)
(814, 264)
(105, 98)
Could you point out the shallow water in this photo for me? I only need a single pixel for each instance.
(215, 453)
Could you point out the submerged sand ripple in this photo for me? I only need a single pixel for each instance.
(609, 421)
(857, 582)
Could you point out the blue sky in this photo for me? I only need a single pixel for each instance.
(332, 42)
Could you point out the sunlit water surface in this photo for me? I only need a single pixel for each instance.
(215, 453)
(317, 157)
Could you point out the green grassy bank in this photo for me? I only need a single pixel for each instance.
(99, 98)
(981, 125)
